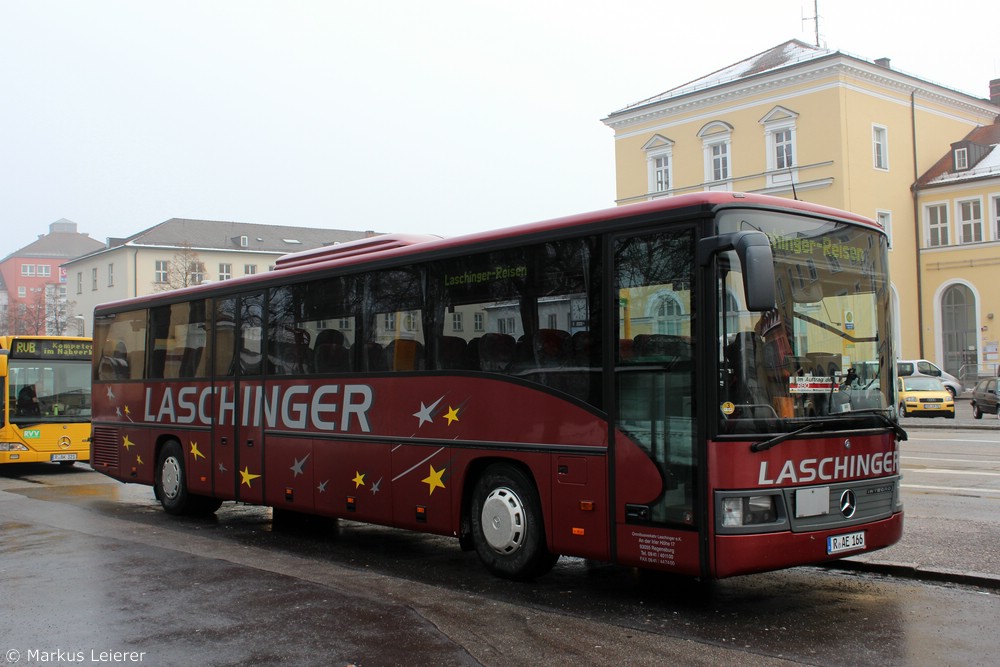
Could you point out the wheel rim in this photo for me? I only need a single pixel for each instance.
(170, 477)
(503, 521)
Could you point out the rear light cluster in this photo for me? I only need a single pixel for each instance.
(12, 447)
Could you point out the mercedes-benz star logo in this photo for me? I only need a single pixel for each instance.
(848, 503)
(65, 442)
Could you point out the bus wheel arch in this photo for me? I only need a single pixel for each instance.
(170, 482)
(507, 524)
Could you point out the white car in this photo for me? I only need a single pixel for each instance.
(918, 367)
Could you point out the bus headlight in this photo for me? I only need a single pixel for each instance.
(12, 447)
(748, 511)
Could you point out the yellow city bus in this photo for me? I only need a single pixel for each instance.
(46, 399)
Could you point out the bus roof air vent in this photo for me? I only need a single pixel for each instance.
(350, 249)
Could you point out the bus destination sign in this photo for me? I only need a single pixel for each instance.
(38, 348)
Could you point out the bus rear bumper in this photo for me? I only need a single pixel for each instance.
(746, 554)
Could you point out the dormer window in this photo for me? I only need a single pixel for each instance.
(244, 242)
(961, 159)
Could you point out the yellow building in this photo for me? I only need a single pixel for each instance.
(959, 204)
(816, 124)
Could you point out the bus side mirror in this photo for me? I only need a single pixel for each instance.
(754, 251)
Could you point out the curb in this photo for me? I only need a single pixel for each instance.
(913, 571)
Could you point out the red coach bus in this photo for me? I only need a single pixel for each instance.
(700, 384)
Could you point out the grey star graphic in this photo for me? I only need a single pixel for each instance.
(424, 414)
(297, 466)
(322, 486)
(376, 485)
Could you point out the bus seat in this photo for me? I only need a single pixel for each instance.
(496, 351)
(551, 347)
(453, 353)
(374, 357)
(332, 358)
(404, 354)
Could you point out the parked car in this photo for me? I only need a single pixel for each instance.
(908, 367)
(984, 399)
(921, 396)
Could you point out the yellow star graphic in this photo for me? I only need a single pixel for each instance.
(359, 479)
(127, 411)
(452, 415)
(127, 443)
(247, 477)
(138, 459)
(433, 480)
(195, 453)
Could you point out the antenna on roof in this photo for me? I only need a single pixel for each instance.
(815, 19)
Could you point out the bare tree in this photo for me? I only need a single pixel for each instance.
(184, 269)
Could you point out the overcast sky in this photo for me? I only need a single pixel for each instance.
(431, 116)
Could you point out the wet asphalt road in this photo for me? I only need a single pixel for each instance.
(88, 564)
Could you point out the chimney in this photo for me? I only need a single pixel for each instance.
(995, 92)
(883, 62)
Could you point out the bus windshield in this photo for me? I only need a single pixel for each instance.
(45, 391)
(821, 357)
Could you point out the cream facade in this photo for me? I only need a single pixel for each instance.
(818, 125)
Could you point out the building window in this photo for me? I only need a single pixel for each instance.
(27, 269)
(22, 292)
(93, 279)
(456, 321)
(479, 323)
(970, 217)
(961, 159)
(111, 275)
(880, 147)
(996, 217)
(196, 273)
(779, 138)
(162, 271)
(249, 269)
(244, 242)
(389, 322)
(225, 271)
(937, 225)
(79, 282)
(884, 219)
(44, 270)
(717, 147)
(659, 164)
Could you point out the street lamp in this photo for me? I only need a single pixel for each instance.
(83, 324)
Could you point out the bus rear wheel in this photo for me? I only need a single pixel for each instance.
(170, 485)
(507, 528)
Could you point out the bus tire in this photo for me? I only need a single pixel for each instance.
(170, 485)
(507, 527)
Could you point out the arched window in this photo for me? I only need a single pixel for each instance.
(667, 315)
(958, 328)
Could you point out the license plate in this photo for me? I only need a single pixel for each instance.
(63, 457)
(932, 406)
(849, 542)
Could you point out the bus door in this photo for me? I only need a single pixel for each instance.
(655, 453)
(238, 431)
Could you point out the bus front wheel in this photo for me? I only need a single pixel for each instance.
(170, 485)
(507, 527)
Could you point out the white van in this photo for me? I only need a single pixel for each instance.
(908, 367)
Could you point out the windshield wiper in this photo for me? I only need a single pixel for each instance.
(778, 439)
(896, 428)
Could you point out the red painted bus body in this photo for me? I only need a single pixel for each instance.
(579, 387)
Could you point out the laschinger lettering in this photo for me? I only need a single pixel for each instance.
(831, 468)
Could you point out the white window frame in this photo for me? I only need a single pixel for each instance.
(249, 269)
(941, 226)
(22, 292)
(884, 219)
(776, 123)
(995, 203)
(975, 223)
(44, 271)
(79, 282)
(93, 279)
(717, 145)
(161, 271)
(659, 166)
(880, 147)
(28, 270)
(961, 159)
(225, 271)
